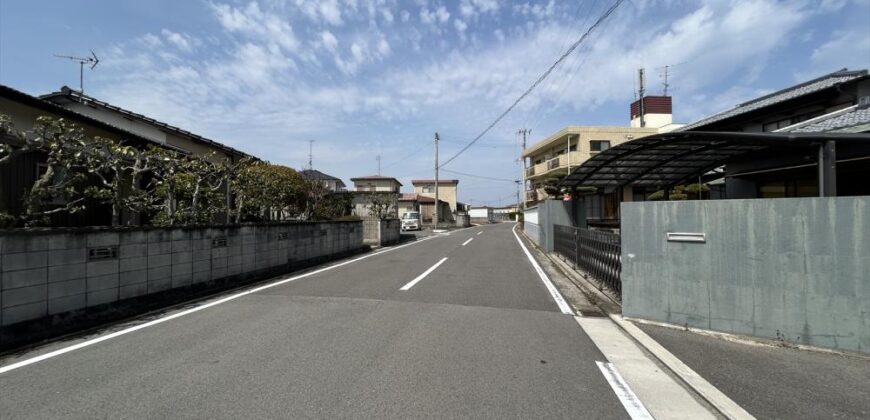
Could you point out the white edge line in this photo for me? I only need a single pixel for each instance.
(115, 334)
(466, 242)
(422, 276)
(629, 400)
(560, 301)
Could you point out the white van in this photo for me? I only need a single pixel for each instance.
(411, 221)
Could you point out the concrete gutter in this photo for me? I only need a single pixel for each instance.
(609, 304)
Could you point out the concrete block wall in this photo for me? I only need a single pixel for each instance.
(390, 231)
(381, 232)
(796, 269)
(45, 273)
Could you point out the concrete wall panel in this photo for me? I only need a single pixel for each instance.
(795, 269)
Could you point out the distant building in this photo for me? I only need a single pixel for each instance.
(366, 186)
(556, 155)
(447, 191)
(376, 183)
(332, 183)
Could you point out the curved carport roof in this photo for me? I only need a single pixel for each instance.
(678, 157)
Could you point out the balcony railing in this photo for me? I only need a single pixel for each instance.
(553, 163)
(531, 196)
(530, 171)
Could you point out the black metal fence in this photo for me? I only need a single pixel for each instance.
(593, 251)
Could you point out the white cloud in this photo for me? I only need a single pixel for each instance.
(460, 25)
(434, 17)
(329, 41)
(181, 41)
(845, 48)
(254, 23)
(470, 8)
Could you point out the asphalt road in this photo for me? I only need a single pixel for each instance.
(772, 382)
(478, 337)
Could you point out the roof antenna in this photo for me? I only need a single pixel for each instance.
(92, 60)
(665, 83)
(310, 153)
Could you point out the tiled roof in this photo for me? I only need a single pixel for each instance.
(77, 96)
(432, 181)
(317, 175)
(375, 177)
(789, 93)
(19, 96)
(854, 120)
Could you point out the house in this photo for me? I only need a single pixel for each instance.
(376, 183)
(447, 191)
(806, 140)
(552, 158)
(330, 182)
(143, 126)
(18, 174)
(376, 189)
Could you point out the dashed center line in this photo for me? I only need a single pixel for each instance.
(422, 276)
(466, 242)
(479, 232)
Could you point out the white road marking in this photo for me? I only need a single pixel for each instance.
(422, 276)
(554, 292)
(479, 232)
(466, 242)
(626, 396)
(125, 331)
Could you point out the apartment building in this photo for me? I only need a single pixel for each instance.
(555, 155)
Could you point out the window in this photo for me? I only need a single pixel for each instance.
(599, 145)
(428, 188)
(573, 148)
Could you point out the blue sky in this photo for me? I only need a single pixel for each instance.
(379, 77)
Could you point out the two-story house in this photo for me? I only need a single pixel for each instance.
(366, 186)
(447, 191)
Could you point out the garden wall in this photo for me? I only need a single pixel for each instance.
(49, 272)
(381, 232)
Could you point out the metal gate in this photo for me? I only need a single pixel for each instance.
(593, 251)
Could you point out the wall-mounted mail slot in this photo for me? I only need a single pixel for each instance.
(687, 237)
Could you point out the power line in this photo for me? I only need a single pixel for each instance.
(539, 80)
(479, 176)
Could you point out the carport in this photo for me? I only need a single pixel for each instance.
(670, 159)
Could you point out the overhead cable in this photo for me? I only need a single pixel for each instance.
(540, 79)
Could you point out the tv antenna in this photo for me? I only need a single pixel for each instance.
(92, 61)
(310, 154)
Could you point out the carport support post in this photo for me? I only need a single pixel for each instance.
(828, 169)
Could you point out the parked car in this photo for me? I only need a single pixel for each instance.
(411, 221)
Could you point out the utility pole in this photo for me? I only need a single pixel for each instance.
(640, 93)
(518, 199)
(378, 158)
(437, 138)
(310, 154)
(524, 132)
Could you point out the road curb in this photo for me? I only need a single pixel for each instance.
(691, 379)
(712, 395)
